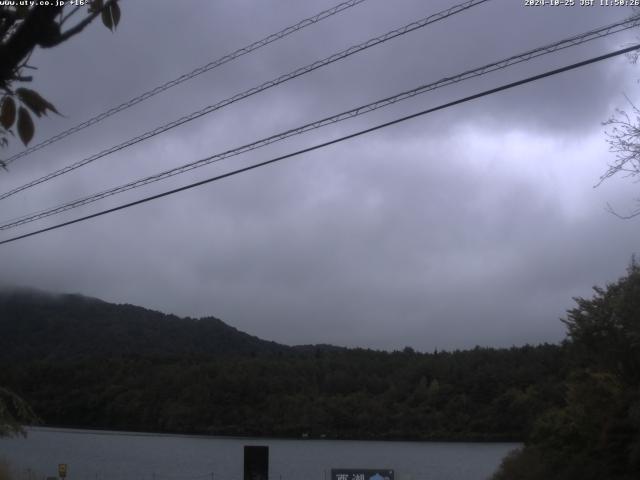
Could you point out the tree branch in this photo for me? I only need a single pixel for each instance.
(37, 28)
(69, 15)
(612, 211)
(82, 25)
(8, 20)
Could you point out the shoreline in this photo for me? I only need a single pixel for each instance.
(204, 436)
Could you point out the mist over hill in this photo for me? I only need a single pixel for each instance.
(36, 325)
(83, 362)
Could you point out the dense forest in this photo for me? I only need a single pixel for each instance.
(595, 433)
(86, 363)
(36, 325)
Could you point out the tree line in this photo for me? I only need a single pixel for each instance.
(594, 433)
(480, 394)
(576, 405)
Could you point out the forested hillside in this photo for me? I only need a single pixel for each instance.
(85, 363)
(40, 326)
(595, 435)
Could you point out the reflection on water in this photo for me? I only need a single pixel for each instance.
(93, 455)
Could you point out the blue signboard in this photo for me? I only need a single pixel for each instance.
(361, 474)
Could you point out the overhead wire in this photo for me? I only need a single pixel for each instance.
(252, 91)
(331, 142)
(354, 112)
(318, 17)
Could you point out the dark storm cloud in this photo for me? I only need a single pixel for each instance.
(475, 225)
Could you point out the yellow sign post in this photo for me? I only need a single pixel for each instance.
(62, 470)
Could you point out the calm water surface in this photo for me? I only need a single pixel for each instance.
(95, 455)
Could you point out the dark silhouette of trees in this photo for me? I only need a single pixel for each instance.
(86, 363)
(595, 434)
(14, 413)
(623, 137)
(22, 29)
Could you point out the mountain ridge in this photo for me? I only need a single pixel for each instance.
(82, 362)
(35, 324)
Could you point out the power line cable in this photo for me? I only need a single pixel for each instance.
(361, 110)
(252, 91)
(331, 142)
(318, 17)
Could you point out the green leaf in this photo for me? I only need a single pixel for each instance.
(35, 102)
(115, 13)
(107, 19)
(7, 112)
(25, 126)
(95, 6)
(111, 16)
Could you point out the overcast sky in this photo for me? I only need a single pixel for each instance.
(471, 226)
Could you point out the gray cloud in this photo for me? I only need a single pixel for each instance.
(475, 225)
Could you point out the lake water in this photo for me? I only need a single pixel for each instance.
(93, 455)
